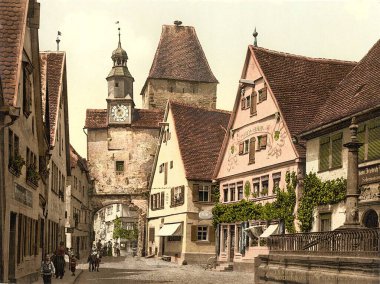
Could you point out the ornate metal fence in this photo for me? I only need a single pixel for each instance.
(361, 241)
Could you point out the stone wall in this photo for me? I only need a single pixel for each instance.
(280, 268)
(159, 91)
(135, 146)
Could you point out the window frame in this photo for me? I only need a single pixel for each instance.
(202, 233)
(117, 166)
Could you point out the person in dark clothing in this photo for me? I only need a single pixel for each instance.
(60, 260)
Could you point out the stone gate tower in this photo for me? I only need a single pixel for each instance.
(121, 143)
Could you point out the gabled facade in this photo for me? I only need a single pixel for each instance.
(54, 94)
(357, 95)
(181, 183)
(179, 71)
(23, 144)
(77, 206)
(278, 94)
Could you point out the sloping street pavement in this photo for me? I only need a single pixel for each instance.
(141, 270)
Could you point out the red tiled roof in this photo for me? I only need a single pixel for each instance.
(358, 91)
(52, 69)
(200, 136)
(180, 56)
(77, 160)
(97, 118)
(300, 84)
(12, 25)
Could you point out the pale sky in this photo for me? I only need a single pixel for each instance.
(329, 29)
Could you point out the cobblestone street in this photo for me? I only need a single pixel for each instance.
(141, 270)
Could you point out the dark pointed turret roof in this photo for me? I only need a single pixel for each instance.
(180, 56)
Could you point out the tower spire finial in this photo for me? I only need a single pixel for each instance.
(255, 34)
(118, 28)
(58, 40)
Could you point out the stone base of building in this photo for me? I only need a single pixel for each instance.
(244, 266)
(196, 258)
(279, 268)
(30, 278)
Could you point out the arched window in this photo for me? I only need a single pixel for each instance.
(371, 219)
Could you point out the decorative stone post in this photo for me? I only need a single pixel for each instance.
(352, 194)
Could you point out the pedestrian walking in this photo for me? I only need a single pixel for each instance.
(72, 262)
(47, 269)
(60, 261)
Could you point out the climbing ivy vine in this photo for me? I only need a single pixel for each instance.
(281, 208)
(317, 192)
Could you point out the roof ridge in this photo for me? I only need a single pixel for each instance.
(198, 107)
(316, 59)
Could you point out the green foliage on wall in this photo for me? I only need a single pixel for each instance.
(120, 232)
(317, 192)
(281, 208)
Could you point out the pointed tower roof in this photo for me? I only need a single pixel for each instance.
(119, 58)
(180, 56)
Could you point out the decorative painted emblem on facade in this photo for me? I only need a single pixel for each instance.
(277, 139)
(276, 135)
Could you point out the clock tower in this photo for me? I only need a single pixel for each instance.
(120, 89)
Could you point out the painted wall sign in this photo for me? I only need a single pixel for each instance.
(205, 215)
(369, 174)
(23, 195)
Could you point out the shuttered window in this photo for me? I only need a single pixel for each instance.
(162, 200)
(361, 138)
(336, 151)
(324, 147)
(195, 192)
(151, 234)
(254, 103)
(252, 144)
(241, 148)
(374, 140)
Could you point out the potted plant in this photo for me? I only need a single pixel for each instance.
(16, 164)
(32, 174)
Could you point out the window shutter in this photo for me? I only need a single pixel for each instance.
(160, 171)
(254, 103)
(361, 138)
(336, 151)
(374, 141)
(166, 173)
(263, 141)
(194, 233)
(324, 147)
(211, 234)
(162, 199)
(195, 192)
(151, 202)
(242, 102)
(264, 93)
(241, 148)
(172, 197)
(214, 191)
(252, 143)
(151, 234)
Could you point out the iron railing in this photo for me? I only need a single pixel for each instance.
(355, 241)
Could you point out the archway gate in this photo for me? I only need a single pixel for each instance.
(138, 202)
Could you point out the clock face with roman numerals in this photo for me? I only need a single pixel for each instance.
(119, 112)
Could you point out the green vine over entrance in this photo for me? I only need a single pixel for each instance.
(317, 192)
(281, 208)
